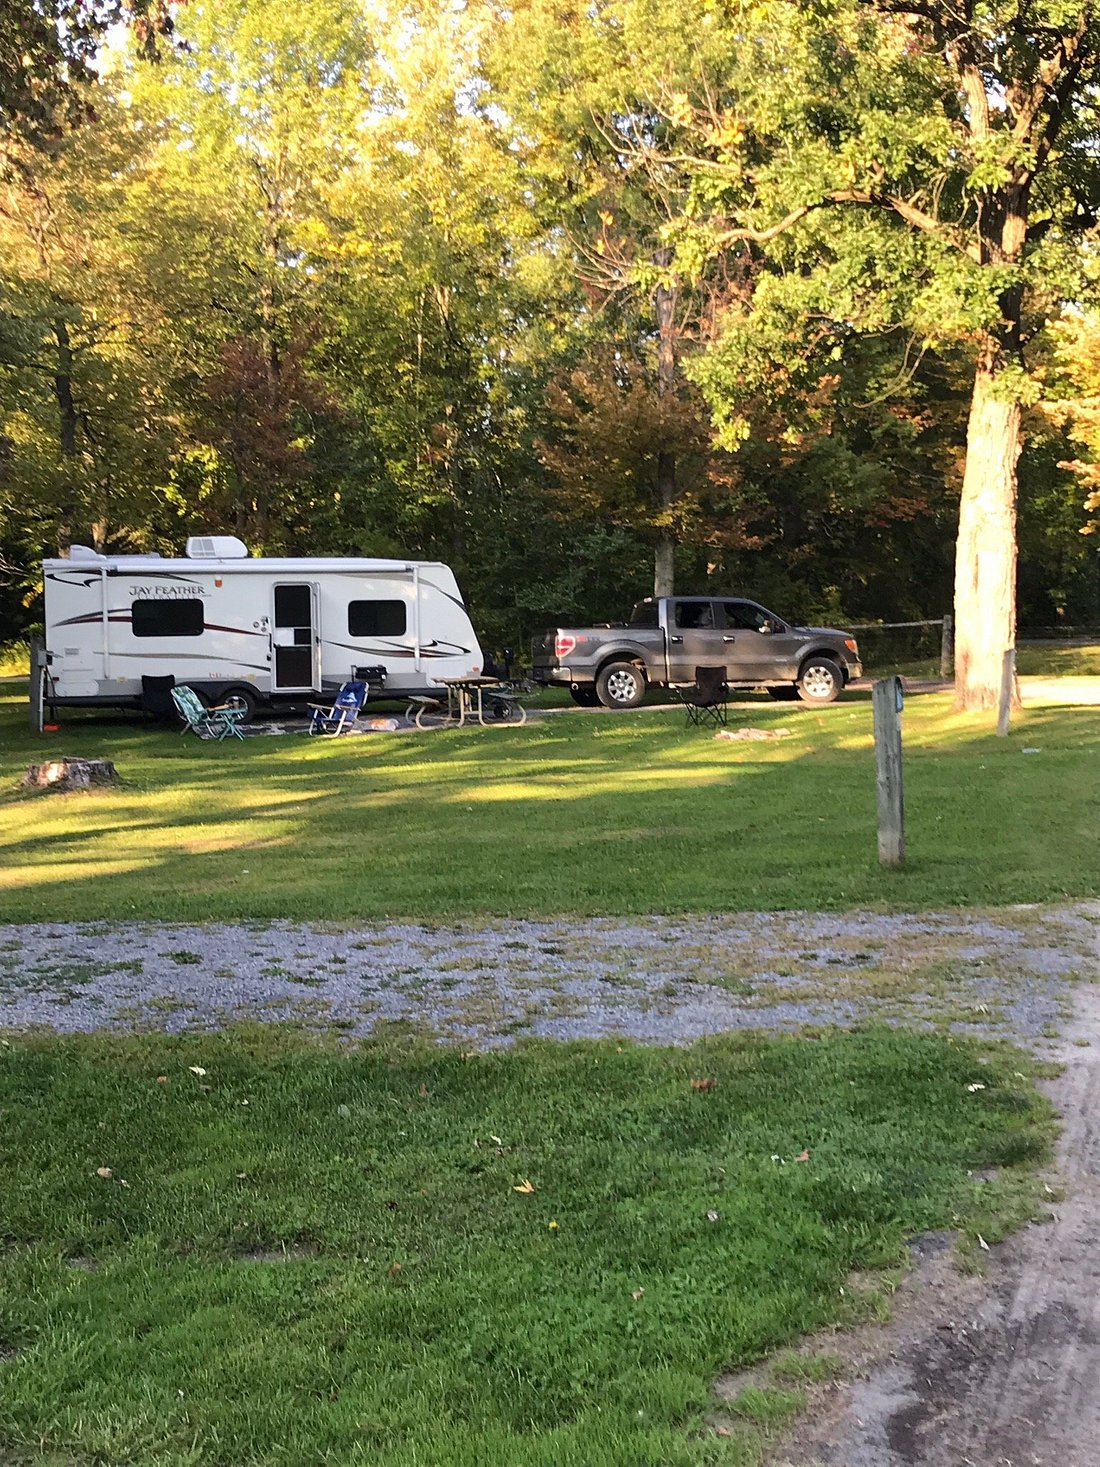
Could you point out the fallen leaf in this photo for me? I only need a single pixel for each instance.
(712, 1216)
(343, 1111)
(983, 1244)
(721, 1431)
(122, 1182)
(103, 1171)
(803, 1156)
(702, 1084)
(197, 1070)
(393, 1270)
(496, 1140)
(241, 1176)
(552, 1225)
(162, 1079)
(423, 1090)
(638, 1294)
(525, 1187)
(974, 1087)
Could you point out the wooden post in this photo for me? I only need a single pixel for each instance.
(37, 684)
(947, 648)
(1008, 689)
(886, 699)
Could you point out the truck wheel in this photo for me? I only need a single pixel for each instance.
(820, 680)
(241, 698)
(786, 694)
(620, 685)
(585, 696)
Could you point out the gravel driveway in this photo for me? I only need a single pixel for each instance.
(658, 980)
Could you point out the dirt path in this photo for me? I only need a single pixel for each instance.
(1000, 1373)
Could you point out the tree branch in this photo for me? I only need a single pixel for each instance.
(927, 223)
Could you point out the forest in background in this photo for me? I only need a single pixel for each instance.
(350, 278)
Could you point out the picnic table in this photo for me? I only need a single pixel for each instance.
(469, 698)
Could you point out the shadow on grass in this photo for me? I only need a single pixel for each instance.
(626, 814)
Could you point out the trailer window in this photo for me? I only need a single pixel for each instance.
(167, 618)
(377, 619)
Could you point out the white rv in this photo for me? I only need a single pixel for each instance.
(262, 631)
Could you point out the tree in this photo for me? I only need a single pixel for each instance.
(928, 165)
(574, 85)
(47, 56)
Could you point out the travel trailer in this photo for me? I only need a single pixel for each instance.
(257, 631)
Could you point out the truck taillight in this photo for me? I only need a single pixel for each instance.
(563, 644)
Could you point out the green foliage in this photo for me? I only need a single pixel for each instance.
(343, 280)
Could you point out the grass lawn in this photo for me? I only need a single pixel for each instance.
(304, 1256)
(572, 814)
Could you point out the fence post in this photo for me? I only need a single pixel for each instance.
(1008, 688)
(38, 663)
(886, 701)
(947, 647)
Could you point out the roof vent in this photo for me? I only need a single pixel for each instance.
(83, 552)
(216, 547)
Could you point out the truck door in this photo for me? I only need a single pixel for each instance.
(694, 638)
(295, 638)
(756, 643)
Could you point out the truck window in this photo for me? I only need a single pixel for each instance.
(694, 615)
(645, 615)
(747, 617)
(167, 618)
(377, 619)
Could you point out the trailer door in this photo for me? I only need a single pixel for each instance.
(295, 638)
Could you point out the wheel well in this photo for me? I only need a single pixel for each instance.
(632, 658)
(831, 655)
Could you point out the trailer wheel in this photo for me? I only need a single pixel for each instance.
(241, 698)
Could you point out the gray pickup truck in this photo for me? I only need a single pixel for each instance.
(668, 637)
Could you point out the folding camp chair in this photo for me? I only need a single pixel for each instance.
(340, 718)
(221, 722)
(705, 699)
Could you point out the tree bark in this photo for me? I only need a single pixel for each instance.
(985, 556)
(985, 553)
(664, 571)
(664, 566)
(66, 436)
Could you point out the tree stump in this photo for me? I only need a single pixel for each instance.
(70, 774)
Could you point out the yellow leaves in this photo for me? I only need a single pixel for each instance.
(726, 134)
(197, 1070)
(679, 109)
(104, 1171)
(525, 1187)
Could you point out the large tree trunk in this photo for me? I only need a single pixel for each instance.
(664, 555)
(985, 556)
(985, 553)
(664, 566)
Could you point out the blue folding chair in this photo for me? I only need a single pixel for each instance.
(340, 718)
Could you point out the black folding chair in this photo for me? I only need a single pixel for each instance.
(706, 698)
(156, 696)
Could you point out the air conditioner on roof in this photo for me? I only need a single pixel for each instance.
(216, 547)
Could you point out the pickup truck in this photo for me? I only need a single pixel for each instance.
(668, 637)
